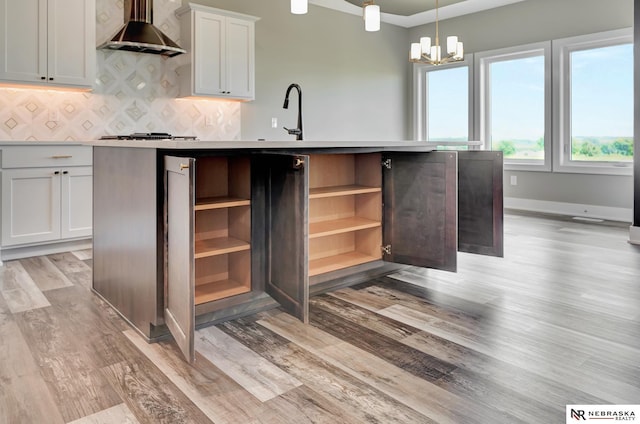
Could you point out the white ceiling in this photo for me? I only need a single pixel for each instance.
(447, 11)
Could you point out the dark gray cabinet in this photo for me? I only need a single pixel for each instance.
(235, 232)
(179, 294)
(480, 212)
(420, 209)
(281, 206)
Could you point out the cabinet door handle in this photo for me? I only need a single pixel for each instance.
(184, 166)
(65, 172)
(56, 173)
(298, 163)
(61, 156)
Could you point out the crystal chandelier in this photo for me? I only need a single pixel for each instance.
(424, 52)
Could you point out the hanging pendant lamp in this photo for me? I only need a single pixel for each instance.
(299, 7)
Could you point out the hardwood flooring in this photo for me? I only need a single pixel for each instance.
(503, 340)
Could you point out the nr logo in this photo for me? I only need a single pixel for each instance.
(577, 414)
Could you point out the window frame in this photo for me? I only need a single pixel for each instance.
(482, 104)
(420, 96)
(562, 49)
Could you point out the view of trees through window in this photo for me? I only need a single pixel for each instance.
(517, 106)
(581, 108)
(602, 104)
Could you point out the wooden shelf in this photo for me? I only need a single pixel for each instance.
(344, 225)
(345, 190)
(333, 263)
(218, 290)
(220, 202)
(219, 246)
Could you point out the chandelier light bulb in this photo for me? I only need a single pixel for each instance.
(459, 51)
(425, 44)
(415, 51)
(452, 44)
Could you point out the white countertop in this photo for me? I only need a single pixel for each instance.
(265, 145)
(253, 145)
(40, 143)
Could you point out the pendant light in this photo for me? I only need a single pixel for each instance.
(371, 16)
(299, 7)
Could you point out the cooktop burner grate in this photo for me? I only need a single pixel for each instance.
(148, 136)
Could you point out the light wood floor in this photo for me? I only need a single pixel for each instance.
(507, 340)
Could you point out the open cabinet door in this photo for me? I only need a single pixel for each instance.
(280, 184)
(480, 203)
(420, 209)
(179, 275)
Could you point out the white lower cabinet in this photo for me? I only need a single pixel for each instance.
(42, 204)
(30, 206)
(76, 195)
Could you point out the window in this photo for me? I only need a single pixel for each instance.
(443, 111)
(573, 116)
(593, 90)
(513, 93)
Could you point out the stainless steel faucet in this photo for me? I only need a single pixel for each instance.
(297, 131)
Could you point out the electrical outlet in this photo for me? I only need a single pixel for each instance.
(514, 180)
(274, 122)
(53, 115)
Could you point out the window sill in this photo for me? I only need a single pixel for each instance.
(596, 169)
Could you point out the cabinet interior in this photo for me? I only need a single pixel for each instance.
(222, 228)
(345, 211)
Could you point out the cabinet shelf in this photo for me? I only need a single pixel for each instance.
(219, 290)
(343, 190)
(333, 263)
(219, 246)
(338, 226)
(220, 203)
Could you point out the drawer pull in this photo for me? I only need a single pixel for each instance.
(61, 156)
(184, 166)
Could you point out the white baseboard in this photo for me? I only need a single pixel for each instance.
(634, 235)
(11, 253)
(570, 209)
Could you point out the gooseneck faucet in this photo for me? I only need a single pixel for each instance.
(297, 131)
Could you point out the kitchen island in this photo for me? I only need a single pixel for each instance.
(189, 233)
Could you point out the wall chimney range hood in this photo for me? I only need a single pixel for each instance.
(138, 33)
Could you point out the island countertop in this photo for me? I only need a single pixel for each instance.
(275, 145)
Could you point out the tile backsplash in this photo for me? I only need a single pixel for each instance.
(133, 92)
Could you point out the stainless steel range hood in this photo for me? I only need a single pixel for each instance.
(138, 33)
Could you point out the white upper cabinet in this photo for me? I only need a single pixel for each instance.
(48, 42)
(221, 53)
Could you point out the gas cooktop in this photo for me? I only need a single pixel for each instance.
(148, 136)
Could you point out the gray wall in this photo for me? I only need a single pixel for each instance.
(539, 20)
(354, 83)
